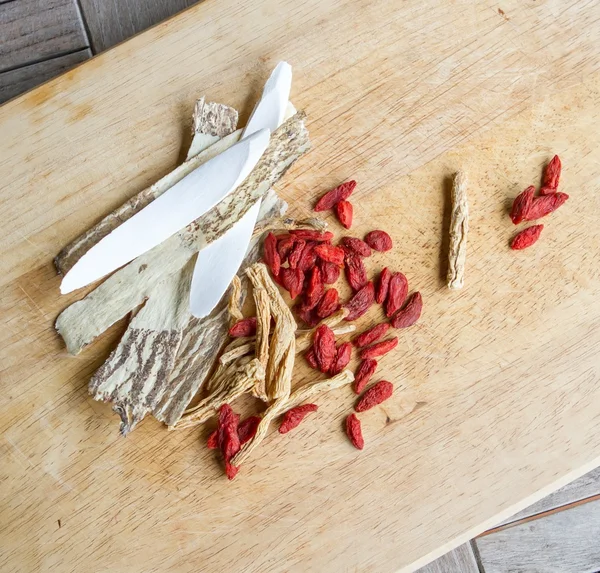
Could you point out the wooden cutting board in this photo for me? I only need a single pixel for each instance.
(497, 389)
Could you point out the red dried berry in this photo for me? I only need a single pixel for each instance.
(293, 417)
(292, 280)
(211, 442)
(284, 247)
(296, 253)
(308, 315)
(375, 395)
(364, 373)
(345, 211)
(227, 437)
(246, 431)
(383, 285)
(330, 253)
(360, 302)
(271, 254)
(330, 272)
(379, 348)
(244, 327)
(342, 358)
(379, 241)
(315, 290)
(354, 431)
(355, 271)
(410, 313)
(371, 335)
(329, 303)
(521, 205)
(397, 294)
(333, 197)
(357, 245)
(544, 205)
(309, 235)
(526, 238)
(324, 346)
(311, 358)
(308, 258)
(551, 176)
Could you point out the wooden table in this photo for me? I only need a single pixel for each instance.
(528, 75)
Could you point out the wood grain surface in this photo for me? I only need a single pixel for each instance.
(568, 542)
(497, 388)
(32, 30)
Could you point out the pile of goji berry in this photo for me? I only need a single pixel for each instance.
(313, 262)
(527, 207)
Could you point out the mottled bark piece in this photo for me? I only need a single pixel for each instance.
(210, 122)
(459, 227)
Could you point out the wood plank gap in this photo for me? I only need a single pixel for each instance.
(85, 27)
(540, 515)
(477, 556)
(43, 59)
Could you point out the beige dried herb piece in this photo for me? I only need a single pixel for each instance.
(298, 397)
(263, 328)
(459, 227)
(282, 349)
(237, 352)
(235, 380)
(305, 339)
(236, 301)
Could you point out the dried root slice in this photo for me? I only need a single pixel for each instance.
(263, 327)
(282, 349)
(236, 301)
(234, 381)
(303, 394)
(237, 352)
(305, 340)
(459, 227)
(289, 224)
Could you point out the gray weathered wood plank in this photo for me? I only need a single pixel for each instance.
(563, 542)
(15, 82)
(112, 21)
(32, 30)
(461, 560)
(586, 486)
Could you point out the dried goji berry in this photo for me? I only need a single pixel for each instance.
(371, 335)
(311, 358)
(315, 290)
(271, 254)
(308, 315)
(360, 302)
(379, 348)
(244, 327)
(357, 245)
(544, 205)
(521, 205)
(330, 253)
(383, 285)
(363, 374)
(292, 281)
(333, 197)
(355, 271)
(330, 272)
(342, 358)
(308, 258)
(211, 442)
(354, 431)
(309, 235)
(246, 431)
(375, 395)
(329, 303)
(284, 247)
(410, 313)
(379, 241)
(526, 238)
(293, 417)
(345, 211)
(227, 437)
(324, 346)
(296, 253)
(397, 294)
(551, 176)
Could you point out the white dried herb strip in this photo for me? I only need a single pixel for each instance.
(128, 287)
(303, 394)
(282, 349)
(237, 380)
(459, 228)
(223, 120)
(236, 301)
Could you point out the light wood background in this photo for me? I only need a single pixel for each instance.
(504, 373)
